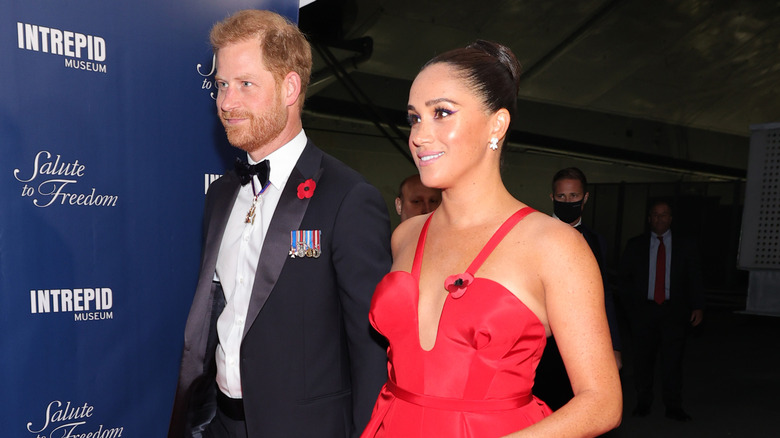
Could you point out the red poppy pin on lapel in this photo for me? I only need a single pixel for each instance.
(306, 189)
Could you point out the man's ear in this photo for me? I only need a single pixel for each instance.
(398, 205)
(291, 88)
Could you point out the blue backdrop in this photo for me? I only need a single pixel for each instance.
(108, 139)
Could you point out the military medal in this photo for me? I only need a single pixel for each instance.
(300, 249)
(315, 250)
(250, 215)
(305, 243)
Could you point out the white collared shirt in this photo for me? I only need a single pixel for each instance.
(238, 256)
(654, 244)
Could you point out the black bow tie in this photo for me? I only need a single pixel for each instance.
(245, 171)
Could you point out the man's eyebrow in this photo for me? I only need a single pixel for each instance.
(243, 77)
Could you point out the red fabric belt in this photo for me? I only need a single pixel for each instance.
(455, 404)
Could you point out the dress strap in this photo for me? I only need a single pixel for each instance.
(418, 253)
(497, 237)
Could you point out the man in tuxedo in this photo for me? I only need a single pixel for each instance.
(415, 199)
(661, 285)
(277, 342)
(569, 196)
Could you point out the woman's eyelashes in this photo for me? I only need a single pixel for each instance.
(438, 113)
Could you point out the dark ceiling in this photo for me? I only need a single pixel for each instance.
(708, 67)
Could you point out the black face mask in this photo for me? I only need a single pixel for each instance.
(568, 211)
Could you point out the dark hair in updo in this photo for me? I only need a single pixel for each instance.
(490, 69)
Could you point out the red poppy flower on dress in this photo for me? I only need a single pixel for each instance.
(306, 189)
(456, 285)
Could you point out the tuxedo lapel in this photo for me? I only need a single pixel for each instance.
(197, 330)
(287, 217)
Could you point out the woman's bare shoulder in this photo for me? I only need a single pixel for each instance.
(407, 234)
(549, 235)
(544, 225)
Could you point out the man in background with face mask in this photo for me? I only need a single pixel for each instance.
(569, 195)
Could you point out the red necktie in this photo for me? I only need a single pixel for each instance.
(660, 273)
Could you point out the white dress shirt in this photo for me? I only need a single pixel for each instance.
(238, 256)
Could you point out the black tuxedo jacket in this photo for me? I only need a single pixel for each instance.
(310, 363)
(685, 277)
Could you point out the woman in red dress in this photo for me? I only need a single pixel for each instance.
(478, 285)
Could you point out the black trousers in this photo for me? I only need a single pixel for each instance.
(659, 333)
(224, 427)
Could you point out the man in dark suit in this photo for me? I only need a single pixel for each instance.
(661, 285)
(569, 196)
(277, 342)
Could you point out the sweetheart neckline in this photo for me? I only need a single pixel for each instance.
(449, 298)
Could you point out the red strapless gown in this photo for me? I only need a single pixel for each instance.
(476, 381)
